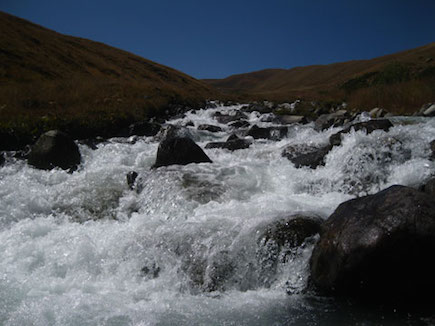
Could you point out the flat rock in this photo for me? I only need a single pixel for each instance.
(210, 128)
(289, 119)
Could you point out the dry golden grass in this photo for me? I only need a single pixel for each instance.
(49, 80)
(399, 82)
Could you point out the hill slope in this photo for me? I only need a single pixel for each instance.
(398, 81)
(50, 80)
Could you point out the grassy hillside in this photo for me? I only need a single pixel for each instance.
(52, 80)
(400, 82)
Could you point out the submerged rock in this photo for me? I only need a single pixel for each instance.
(131, 179)
(179, 150)
(210, 128)
(273, 133)
(368, 126)
(379, 247)
(280, 240)
(292, 230)
(220, 268)
(305, 155)
(54, 149)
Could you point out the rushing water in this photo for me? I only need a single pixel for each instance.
(183, 248)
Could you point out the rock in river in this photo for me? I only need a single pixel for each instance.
(379, 247)
(368, 126)
(179, 150)
(54, 149)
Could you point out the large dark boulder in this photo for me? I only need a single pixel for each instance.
(179, 150)
(305, 155)
(54, 149)
(429, 188)
(379, 247)
(367, 126)
(273, 133)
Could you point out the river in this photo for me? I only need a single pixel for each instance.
(183, 247)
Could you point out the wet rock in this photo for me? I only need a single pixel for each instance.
(92, 143)
(273, 133)
(189, 124)
(227, 118)
(429, 188)
(147, 129)
(131, 179)
(181, 151)
(430, 111)
(257, 108)
(239, 124)
(210, 128)
(54, 149)
(367, 126)
(200, 189)
(292, 231)
(378, 247)
(289, 119)
(432, 147)
(306, 155)
(335, 119)
(233, 143)
(150, 270)
(269, 117)
(280, 240)
(2, 159)
(377, 113)
(220, 268)
(172, 131)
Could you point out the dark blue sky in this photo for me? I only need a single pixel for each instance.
(214, 39)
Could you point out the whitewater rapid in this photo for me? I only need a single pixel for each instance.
(83, 249)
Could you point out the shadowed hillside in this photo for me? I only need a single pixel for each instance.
(400, 82)
(53, 80)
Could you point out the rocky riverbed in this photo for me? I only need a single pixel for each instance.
(225, 215)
